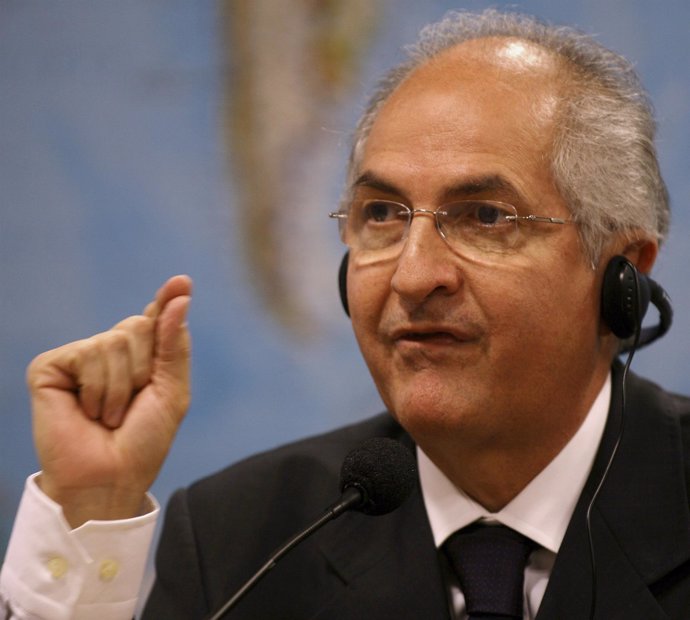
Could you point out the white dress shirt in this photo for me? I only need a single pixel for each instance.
(52, 572)
(541, 511)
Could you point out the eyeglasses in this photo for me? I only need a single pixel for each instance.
(473, 228)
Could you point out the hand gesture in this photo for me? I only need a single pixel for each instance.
(106, 409)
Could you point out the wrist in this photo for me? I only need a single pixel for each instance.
(98, 503)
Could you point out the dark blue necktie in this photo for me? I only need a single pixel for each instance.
(489, 561)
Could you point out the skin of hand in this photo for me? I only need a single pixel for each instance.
(106, 409)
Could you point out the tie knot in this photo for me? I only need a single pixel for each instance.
(489, 561)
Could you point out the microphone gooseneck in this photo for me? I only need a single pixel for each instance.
(375, 478)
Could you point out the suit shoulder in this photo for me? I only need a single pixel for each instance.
(314, 461)
(657, 397)
(655, 400)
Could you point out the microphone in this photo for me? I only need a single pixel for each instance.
(375, 478)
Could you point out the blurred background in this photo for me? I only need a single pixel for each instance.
(143, 139)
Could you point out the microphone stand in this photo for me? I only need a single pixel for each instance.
(351, 498)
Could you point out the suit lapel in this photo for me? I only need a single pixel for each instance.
(388, 564)
(640, 521)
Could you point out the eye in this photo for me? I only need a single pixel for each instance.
(476, 214)
(381, 211)
(488, 215)
(485, 214)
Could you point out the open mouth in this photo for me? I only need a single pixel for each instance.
(428, 336)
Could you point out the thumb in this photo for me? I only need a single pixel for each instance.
(173, 343)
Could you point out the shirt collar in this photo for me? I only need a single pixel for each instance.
(542, 510)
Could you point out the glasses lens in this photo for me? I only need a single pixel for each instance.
(481, 225)
(376, 224)
(477, 228)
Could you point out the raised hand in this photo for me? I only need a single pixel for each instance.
(106, 409)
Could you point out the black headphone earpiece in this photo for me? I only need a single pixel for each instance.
(342, 282)
(625, 297)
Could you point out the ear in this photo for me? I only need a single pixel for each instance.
(641, 252)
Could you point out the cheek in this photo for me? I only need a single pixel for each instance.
(572, 299)
(538, 319)
(368, 288)
(367, 294)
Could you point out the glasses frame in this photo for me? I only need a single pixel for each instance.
(343, 215)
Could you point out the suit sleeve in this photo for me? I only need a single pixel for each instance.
(177, 592)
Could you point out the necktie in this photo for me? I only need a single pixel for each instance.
(489, 561)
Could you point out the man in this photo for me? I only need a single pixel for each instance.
(493, 179)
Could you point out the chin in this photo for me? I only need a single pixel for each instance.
(428, 404)
(426, 416)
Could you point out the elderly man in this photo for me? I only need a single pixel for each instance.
(502, 182)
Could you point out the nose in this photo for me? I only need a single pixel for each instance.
(426, 264)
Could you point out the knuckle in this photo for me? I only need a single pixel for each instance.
(64, 359)
(137, 325)
(81, 352)
(34, 369)
(114, 341)
(37, 363)
(142, 327)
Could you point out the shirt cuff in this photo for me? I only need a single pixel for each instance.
(93, 571)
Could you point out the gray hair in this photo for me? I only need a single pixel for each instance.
(603, 161)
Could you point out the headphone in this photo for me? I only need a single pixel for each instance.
(625, 297)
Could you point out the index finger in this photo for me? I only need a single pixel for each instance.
(175, 287)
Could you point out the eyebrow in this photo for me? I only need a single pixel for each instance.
(466, 187)
(477, 185)
(372, 181)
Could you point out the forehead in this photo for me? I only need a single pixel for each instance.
(498, 72)
(482, 103)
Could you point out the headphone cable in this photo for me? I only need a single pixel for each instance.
(614, 451)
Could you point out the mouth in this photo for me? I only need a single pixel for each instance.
(431, 335)
(427, 336)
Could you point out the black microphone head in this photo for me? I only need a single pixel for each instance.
(383, 470)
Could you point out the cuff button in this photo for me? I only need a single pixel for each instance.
(57, 567)
(108, 570)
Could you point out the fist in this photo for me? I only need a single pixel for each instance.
(106, 409)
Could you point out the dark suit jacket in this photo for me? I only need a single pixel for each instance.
(221, 529)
